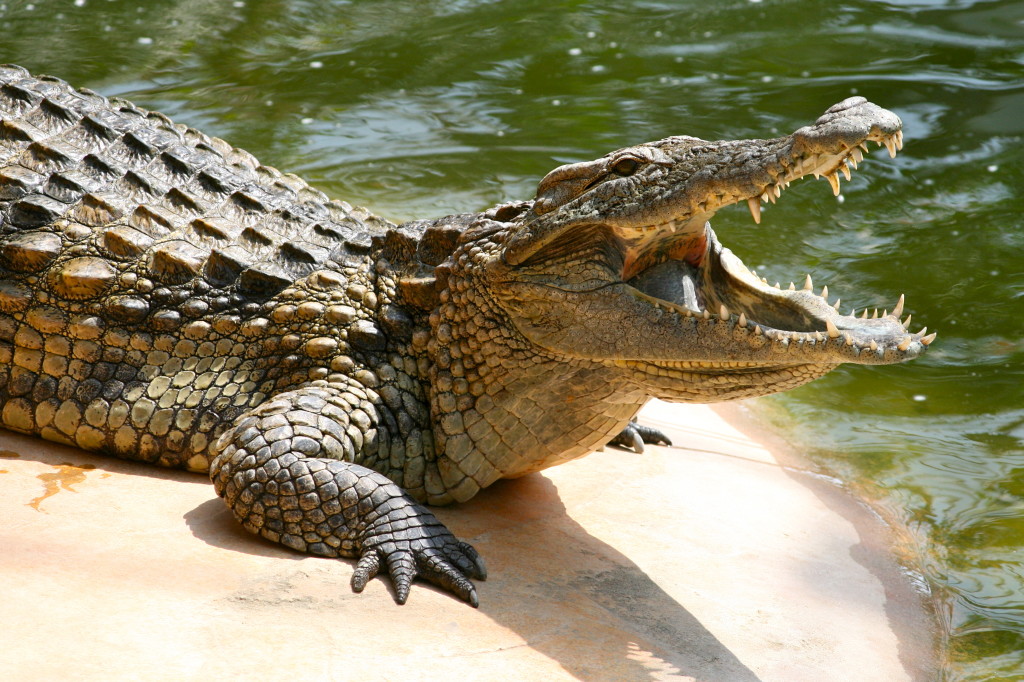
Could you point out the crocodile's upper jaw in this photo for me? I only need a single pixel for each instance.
(623, 243)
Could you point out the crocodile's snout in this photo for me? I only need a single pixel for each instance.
(848, 123)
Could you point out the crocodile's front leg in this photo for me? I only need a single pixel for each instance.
(280, 470)
(636, 435)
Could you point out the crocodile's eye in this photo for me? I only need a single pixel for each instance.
(625, 167)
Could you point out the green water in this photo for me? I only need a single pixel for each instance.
(419, 108)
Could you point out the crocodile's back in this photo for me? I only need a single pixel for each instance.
(86, 177)
(133, 251)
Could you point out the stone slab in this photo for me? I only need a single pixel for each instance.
(705, 561)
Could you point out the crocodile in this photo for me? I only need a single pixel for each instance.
(164, 297)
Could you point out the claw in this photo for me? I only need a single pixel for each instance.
(479, 567)
(367, 568)
(412, 544)
(402, 569)
(437, 567)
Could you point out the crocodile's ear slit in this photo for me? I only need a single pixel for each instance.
(422, 292)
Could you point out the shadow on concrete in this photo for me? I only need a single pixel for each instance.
(584, 578)
(568, 595)
(540, 560)
(909, 612)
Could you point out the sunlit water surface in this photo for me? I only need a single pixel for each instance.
(420, 108)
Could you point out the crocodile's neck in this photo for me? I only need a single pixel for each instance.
(503, 409)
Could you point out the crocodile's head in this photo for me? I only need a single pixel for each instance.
(615, 263)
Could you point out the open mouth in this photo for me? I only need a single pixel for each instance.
(686, 271)
(629, 233)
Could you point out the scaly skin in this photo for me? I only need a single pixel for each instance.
(166, 298)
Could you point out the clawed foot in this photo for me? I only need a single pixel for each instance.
(412, 543)
(636, 435)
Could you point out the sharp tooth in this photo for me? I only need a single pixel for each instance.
(833, 331)
(757, 331)
(707, 315)
(853, 312)
(836, 305)
(898, 310)
(833, 180)
(672, 226)
(848, 339)
(904, 344)
(844, 169)
(885, 313)
(924, 330)
(873, 346)
(792, 287)
(864, 146)
(742, 321)
(764, 196)
(857, 155)
(864, 315)
(927, 340)
(723, 312)
(824, 292)
(808, 285)
(777, 286)
(906, 322)
(764, 280)
(874, 314)
(890, 144)
(778, 191)
(899, 139)
(755, 209)
(818, 337)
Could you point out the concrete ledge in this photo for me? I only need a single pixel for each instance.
(705, 561)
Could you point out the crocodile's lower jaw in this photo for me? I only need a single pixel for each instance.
(707, 382)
